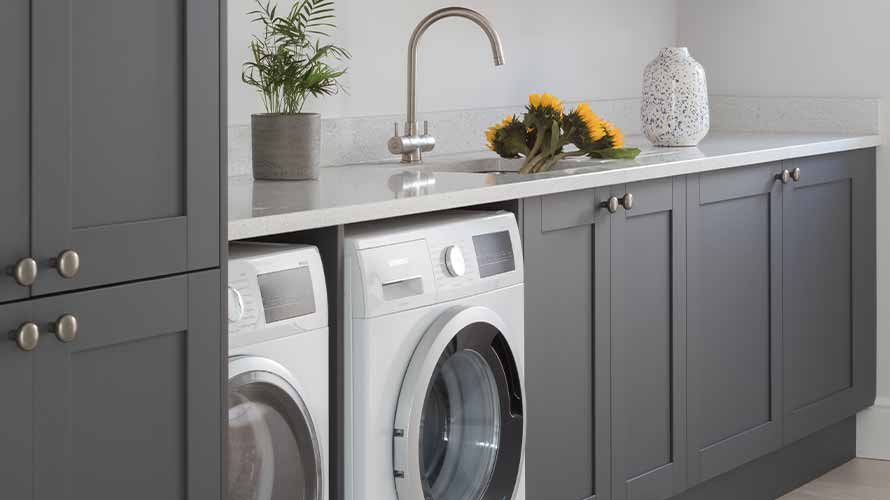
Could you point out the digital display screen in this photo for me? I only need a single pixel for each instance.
(287, 294)
(494, 253)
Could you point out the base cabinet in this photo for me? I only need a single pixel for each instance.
(725, 316)
(130, 408)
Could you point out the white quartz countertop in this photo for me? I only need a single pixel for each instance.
(363, 192)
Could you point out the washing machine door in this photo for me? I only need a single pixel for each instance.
(273, 450)
(459, 429)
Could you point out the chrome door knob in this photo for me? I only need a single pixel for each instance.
(784, 176)
(25, 271)
(627, 201)
(26, 337)
(612, 204)
(65, 328)
(795, 174)
(67, 264)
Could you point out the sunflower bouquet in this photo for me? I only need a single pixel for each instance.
(542, 135)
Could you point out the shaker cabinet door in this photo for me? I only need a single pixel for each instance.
(131, 406)
(15, 145)
(567, 447)
(828, 278)
(17, 414)
(126, 164)
(734, 230)
(648, 342)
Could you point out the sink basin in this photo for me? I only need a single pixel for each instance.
(503, 165)
(511, 166)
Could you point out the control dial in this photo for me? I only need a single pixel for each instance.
(236, 305)
(454, 261)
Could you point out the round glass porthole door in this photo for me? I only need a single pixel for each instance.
(272, 446)
(459, 428)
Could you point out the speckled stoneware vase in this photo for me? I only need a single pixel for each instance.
(675, 99)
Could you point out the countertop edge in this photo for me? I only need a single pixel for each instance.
(350, 214)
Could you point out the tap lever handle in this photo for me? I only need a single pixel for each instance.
(426, 127)
(395, 128)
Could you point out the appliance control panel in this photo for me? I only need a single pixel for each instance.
(430, 259)
(274, 290)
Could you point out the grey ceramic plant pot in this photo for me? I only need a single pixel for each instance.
(286, 147)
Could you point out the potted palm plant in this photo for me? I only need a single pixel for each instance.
(289, 65)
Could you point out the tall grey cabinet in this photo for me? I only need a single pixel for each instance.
(110, 207)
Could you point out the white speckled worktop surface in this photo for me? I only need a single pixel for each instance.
(363, 192)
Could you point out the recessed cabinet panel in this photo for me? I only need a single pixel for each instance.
(818, 319)
(128, 129)
(829, 295)
(15, 143)
(126, 114)
(734, 350)
(648, 343)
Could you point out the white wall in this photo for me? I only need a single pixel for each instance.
(576, 49)
(808, 48)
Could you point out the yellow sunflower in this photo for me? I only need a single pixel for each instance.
(615, 134)
(492, 132)
(546, 101)
(594, 124)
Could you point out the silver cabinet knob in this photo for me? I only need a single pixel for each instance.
(24, 272)
(65, 328)
(26, 337)
(611, 204)
(627, 201)
(795, 174)
(784, 176)
(67, 264)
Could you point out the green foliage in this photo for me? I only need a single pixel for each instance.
(289, 61)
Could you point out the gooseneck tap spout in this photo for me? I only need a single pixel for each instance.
(412, 146)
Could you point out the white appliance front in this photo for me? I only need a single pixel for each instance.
(389, 466)
(278, 375)
(435, 393)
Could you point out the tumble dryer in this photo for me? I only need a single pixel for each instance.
(435, 406)
(278, 373)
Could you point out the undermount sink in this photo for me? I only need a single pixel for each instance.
(503, 165)
(512, 166)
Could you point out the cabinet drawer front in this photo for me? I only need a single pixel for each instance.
(15, 134)
(136, 395)
(126, 166)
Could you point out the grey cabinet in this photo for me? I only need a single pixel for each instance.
(119, 160)
(647, 338)
(131, 408)
(734, 355)
(605, 343)
(567, 448)
(828, 290)
(15, 131)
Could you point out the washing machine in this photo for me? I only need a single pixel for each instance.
(278, 373)
(434, 388)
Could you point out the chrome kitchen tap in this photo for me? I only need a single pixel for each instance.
(412, 145)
